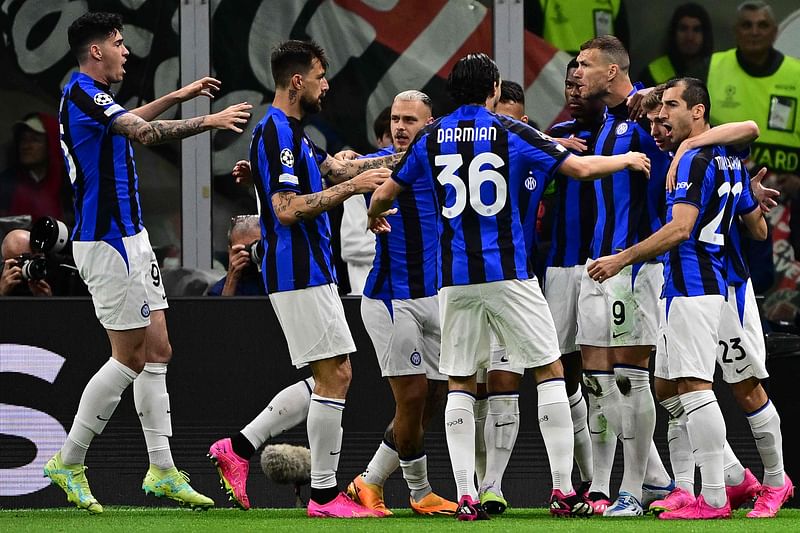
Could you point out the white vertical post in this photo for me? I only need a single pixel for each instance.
(195, 151)
(508, 36)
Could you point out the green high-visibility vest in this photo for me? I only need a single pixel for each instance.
(771, 101)
(570, 23)
(661, 69)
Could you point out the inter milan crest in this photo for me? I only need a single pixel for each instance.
(530, 182)
(103, 99)
(622, 128)
(416, 358)
(145, 310)
(287, 158)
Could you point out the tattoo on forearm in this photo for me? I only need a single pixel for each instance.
(314, 203)
(353, 167)
(158, 131)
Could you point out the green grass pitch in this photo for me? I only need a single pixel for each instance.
(163, 520)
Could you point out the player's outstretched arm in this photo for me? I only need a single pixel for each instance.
(291, 207)
(732, 133)
(203, 87)
(590, 167)
(666, 238)
(336, 170)
(767, 198)
(161, 131)
(756, 225)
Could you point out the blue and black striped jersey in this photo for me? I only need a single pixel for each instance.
(478, 163)
(574, 214)
(284, 159)
(630, 207)
(99, 163)
(405, 258)
(713, 179)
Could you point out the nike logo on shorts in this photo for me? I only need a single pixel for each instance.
(740, 370)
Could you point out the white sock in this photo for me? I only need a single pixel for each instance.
(325, 439)
(604, 440)
(415, 472)
(766, 427)
(383, 463)
(680, 449)
(638, 422)
(580, 431)
(734, 471)
(152, 405)
(502, 427)
(286, 410)
(480, 410)
(459, 428)
(98, 402)
(555, 424)
(707, 434)
(655, 474)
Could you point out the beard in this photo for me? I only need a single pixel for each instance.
(311, 106)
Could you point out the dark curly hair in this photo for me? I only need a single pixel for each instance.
(89, 28)
(472, 79)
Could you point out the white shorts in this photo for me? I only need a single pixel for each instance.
(741, 352)
(313, 322)
(123, 278)
(690, 326)
(514, 309)
(621, 311)
(406, 335)
(561, 289)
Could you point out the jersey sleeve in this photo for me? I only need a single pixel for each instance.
(98, 106)
(692, 170)
(277, 159)
(539, 151)
(320, 155)
(747, 200)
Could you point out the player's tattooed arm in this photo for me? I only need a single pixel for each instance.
(337, 171)
(160, 131)
(291, 207)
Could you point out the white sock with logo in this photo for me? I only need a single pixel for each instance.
(98, 402)
(555, 424)
(502, 427)
(383, 463)
(286, 410)
(637, 412)
(602, 398)
(152, 405)
(459, 428)
(580, 432)
(707, 434)
(766, 427)
(325, 439)
(680, 449)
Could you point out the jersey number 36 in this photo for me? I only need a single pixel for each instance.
(476, 176)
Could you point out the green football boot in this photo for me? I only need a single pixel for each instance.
(72, 480)
(174, 484)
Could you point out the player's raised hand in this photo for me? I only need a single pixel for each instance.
(765, 196)
(639, 162)
(231, 118)
(207, 86)
(369, 180)
(635, 109)
(572, 143)
(241, 172)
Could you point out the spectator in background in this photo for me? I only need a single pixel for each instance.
(566, 24)
(35, 182)
(754, 81)
(12, 282)
(243, 278)
(690, 42)
(357, 241)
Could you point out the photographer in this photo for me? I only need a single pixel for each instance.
(243, 278)
(21, 268)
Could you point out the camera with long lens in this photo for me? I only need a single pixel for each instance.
(34, 267)
(52, 250)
